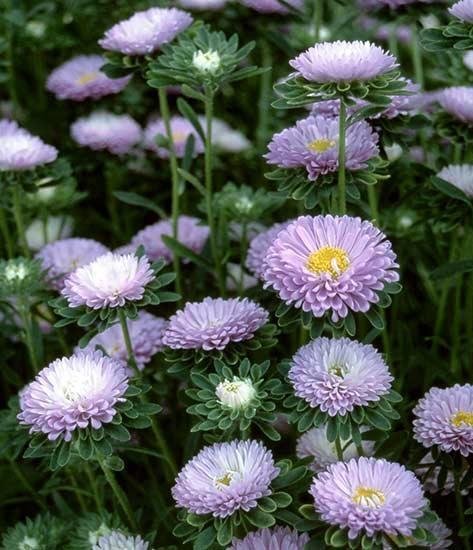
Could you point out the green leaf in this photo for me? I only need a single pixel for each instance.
(450, 190)
(118, 432)
(205, 539)
(225, 532)
(181, 250)
(452, 268)
(134, 199)
(260, 519)
(377, 420)
(375, 318)
(188, 112)
(339, 539)
(192, 180)
(114, 463)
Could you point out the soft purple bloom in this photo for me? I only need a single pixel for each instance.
(313, 144)
(462, 10)
(327, 108)
(441, 532)
(214, 323)
(259, 247)
(444, 417)
(459, 175)
(146, 31)
(330, 264)
(458, 101)
(343, 61)
(73, 393)
(62, 257)
(118, 541)
(224, 478)
(181, 129)
(272, 6)
(402, 105)
(369, 495)
(277, 538)
(202, 5)
(106, 131)
(81, 78)
(109, 281)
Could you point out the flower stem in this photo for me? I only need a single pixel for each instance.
(27, 320)
(338, 448)
(128, 344)
(459, 505)
(318, 18)
(163, 447)
(6, 233)
(18, 215)
(373, 203)
(264, 100)
(243, 247)
(342, 207)
(417, 60)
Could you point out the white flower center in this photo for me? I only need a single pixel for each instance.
(16, 272)
(236, 393)
(244, 204)
(339, 369)
(225, 479)
(367, 496)
(28, 543)
(206, 62)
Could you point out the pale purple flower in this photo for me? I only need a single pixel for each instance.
(202, 5)
(81, 78)
(459, 175)
(343, 61)
(458, 101)
(224, 478)
(109, 281)
(214, 323)
(441, 532)
(107, 131)
(259, 247)
(444, 417)
(313, 144)
(181, 129)
(118, 541)
(327, 108)
(330, 264)
(277, 538)
(73, 393)
(272, 6)
(62, 257)
(402, 105)
(146, 31)
(462, 10)
(369, 495)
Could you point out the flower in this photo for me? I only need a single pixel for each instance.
(73, 393)
(224, 478)
(119, 541)
(61, 258)
(81, 78)
(441, 532)
(459, 175)
(273, 6)
(259, 247)
(330, 264)
(226, 139)
(369, 495)
(146, 335)
(462, 10)
(458, 102)
(206, 62)
(314, 443)
(41, 232)
(444, 417)
(468, 59)
(277, 538)
(201, 5)
(236, 393)
(181, 129)
(237, 276)
(106, 131)
(327, 108)
(313, 144)
(145, 31)
(109, 281)
(214, 323)
(343, 61)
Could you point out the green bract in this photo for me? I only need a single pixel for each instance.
(20, 278)
(44, 532)
(457, 35)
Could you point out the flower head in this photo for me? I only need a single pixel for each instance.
(225, 138)
(236, 393)
(81, 78)
(202, 5)
(214, 323)
(118, 541)
(462, 10)
(277, 538)
(224, 478)
(43, 231)
(73, 393)
(181, 129)
(459, 175)
(330, 264)
(458, 102)
(444, 417)
(369, 495)
(273, 6)
(259, 247)
(206, 62)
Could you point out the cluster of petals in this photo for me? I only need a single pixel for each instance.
(273, 6)
(462, 10)
(259, 247)
(118, 541)
(459, 175)
(458, 102)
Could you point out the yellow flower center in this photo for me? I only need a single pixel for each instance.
(321, 145)
(338, 369)
(87, 77)
(328, 259)
(462, 418)
(224, 480)
(367, 496)
(179, 136)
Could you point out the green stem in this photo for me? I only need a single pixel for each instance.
(6, 233)
(459, 505)
(10, 62)
(163, 447)
(318, 18)
(264, 101)
(128, 344)
(373, 202)
(18, 215)
(417, 60)
(338, 448)
(27, 320)
(342, 207)
(243, 246)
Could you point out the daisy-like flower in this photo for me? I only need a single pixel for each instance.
(146, 335)
(458, 102)
(459, 175)
(369, 495)
(462, 10)
(444, 417)
(106, 131)
(313, 144)
(119, 541)
(214, 323)
(81, 78)
(224, 478)
(277, 538)
(272, 6)
(189, 230)
(259, 247)
(61, 258)
(145, 31)
(343, 61)
(109, 281)
(202, 5)
(330, 264)
(338, 374)
(181, 129)
(73, 393)
(225, 138)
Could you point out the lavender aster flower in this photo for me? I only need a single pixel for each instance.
(272, 6)
(214, 323)
(73, 393)
(109, 281)
(181, 129)
(313, 144)
(462, 10)
(330, 264)
(145, 31)
(343, 61)
(119, 541)
(106, 131)
(459, 175)
(259, 247)
(277, 538)
(444, 417)
(224, 478)
(369, 495)
(458, 101)
(81, 78)
(202, 5)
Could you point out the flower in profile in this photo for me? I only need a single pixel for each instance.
(62, 257)
(313, 144)
(259, 247)
(441, 532)
(181, 129)
(459, 175)
(43, 231)
(462, 10)
(214, 323)
(273, 6)
(224, 478)
(146, 335)
(444, 417)
(81, 78)
(327, 108)
(227, 139)
(458, 102)
(145, 31)
(330, 264)
(109, 281)
(343, 61)
(73, 393)
(235, 394)
(118, 541)
(106, 131)
(338, 374)
(202, 5)
(369, 495)
(277, 538)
